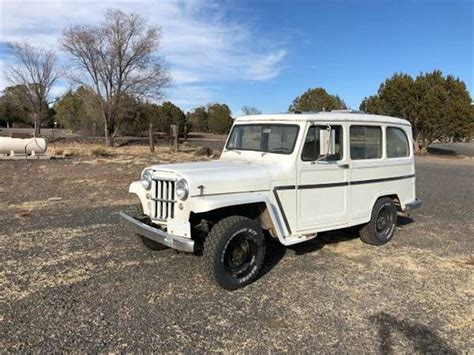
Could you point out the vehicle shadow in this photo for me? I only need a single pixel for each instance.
(423, 339)
(276, 251)
(441, 151)
(404, 220)
(323, 239)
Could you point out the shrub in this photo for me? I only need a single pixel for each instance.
(100, 152)
(203, 151)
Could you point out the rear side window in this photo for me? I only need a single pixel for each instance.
(397, 143)
(365, 142)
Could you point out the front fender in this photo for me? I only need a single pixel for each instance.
(208, 203)
(201, 204)
(137, 189)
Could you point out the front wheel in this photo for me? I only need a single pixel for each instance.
(234, 252)
(382, 223)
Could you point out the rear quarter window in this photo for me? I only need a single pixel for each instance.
(397, 143)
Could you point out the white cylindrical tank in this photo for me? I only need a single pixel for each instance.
(21, 145)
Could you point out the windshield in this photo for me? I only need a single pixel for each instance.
(269, 138)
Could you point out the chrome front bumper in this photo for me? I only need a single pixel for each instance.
(413, 205)
(157, 235)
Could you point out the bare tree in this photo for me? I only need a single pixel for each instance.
(34, 75)
(250, 110)
(117, 60)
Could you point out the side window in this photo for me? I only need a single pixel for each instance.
(323, 143)
(397, 143)
(365, 142)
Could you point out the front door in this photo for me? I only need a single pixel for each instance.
(322, 180)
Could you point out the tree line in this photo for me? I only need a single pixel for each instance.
(438, 106)
(118, 75)
(76, 111)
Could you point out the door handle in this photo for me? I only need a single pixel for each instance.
(344, 166)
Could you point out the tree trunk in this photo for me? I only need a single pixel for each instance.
(421, 146)
(37, 125)
(38, 119)
(108, 131)
(106, 134)
(109, 138)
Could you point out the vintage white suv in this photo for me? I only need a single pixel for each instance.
(284, 176)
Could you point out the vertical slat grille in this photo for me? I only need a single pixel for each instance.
(164, 199)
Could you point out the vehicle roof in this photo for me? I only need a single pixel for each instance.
(324, 116)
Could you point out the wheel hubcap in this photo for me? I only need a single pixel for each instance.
(384, 222)
(239, 256)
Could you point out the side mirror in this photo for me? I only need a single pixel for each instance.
(327, 142)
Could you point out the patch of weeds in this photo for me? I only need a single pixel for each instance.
(203, 151)
(100, 152)
(470, 262)
(216, 154)
(70, 153)
(24, 213)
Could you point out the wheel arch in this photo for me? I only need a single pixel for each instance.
(256, 207)
(393, 195)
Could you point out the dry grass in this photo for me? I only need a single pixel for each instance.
(162, 154)
(203, 151)
(100, 152)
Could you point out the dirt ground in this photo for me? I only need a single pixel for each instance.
(73, 279)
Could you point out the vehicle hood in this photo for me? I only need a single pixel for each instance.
(219, 176)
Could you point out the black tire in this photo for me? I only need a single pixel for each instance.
(137, 212)
(234, 252)
(383, 221)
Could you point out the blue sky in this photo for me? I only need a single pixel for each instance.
(265, 53)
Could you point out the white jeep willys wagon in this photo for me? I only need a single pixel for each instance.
(285, 176)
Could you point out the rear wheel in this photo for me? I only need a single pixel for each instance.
(234, 252)
(383, 221)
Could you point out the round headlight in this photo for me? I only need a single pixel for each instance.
(182, 189)
(146, 179)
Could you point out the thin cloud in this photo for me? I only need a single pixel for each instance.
(201, 44)
(268, 66)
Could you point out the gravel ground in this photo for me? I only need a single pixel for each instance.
(73, 279)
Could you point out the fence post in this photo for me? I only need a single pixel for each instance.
(175, 133)
(152, 141)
